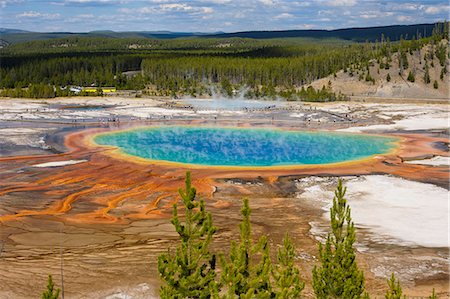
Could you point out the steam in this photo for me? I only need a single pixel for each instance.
(238, 102)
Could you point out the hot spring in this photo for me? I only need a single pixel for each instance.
(229, 146)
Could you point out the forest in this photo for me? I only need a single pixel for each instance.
(265, 68)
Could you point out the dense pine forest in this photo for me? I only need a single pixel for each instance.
(265, 68)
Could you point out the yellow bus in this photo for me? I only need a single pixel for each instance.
(103, 89)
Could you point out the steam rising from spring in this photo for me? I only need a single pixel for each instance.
(237, 102)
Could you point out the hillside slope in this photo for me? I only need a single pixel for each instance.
(393, 32)
(354, 83)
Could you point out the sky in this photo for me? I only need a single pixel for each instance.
(214, 15)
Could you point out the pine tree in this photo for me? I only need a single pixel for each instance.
(388, 78)
(435, 84)
(190, 273)
(404, 60)
(261, 281)
(395, 290)
(338, 275)
(411, 77)
(426, 76)
(240, 275)
(236, 273)
(287, 283)
(227, 88)
(433, 295)
(50, 292)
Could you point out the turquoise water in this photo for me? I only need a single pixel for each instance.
(223, 146)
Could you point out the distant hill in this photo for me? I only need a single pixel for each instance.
(394, 32)
(13, 36)
(9, 31)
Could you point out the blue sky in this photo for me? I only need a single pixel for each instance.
(214, 15)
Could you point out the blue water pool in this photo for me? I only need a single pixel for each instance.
(227, 146)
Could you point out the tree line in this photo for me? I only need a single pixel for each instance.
(186, 74)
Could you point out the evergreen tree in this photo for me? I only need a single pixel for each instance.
(369, 78)
(395, 290)
(404, 60)
(261, 282)
(443, 72)
(236, 273)
(338, 275)
(441, 53)
(227, 88)
(50, 292)
(426, 76)
(190, 273)
(287, 283)
(435, 84)
(388, 78)
(241, 275)
(411, 77)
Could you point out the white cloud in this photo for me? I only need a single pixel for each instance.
(183, 7)
(301, 3)
(408, 6)
(242, 14)
(35, 14)
(404, 18)
(325, 12)
(432, 10)
(4, 3)
(146, 10)
(176, 6)
(368, 16)
(267, 2)
(207, 10)
(284, 15)
(141, 10)
(92, 1)
(221, 2)
(404, 6)
(375, 14)
(85, 16)
(342, 2)
(167, 8)
(306, 26)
